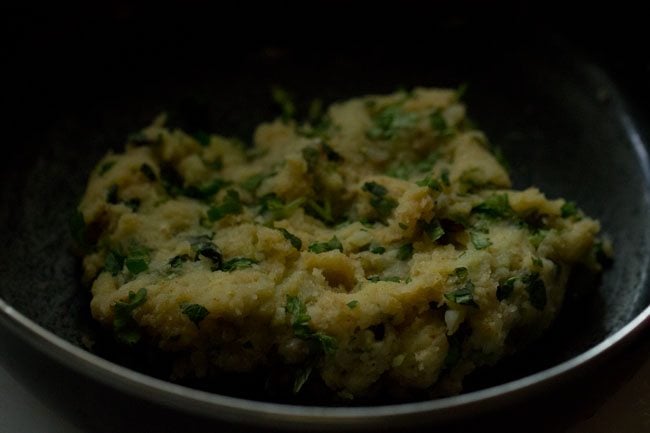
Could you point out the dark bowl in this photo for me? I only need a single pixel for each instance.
(563, 115)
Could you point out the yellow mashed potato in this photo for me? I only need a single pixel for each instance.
(377, 244)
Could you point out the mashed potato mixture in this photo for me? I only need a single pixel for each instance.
(378, 245)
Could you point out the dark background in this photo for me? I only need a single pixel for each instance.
(63, 56)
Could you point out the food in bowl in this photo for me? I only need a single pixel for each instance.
(376, 247)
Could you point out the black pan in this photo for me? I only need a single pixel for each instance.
(560, 112)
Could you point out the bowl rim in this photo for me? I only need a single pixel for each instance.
(253, 412)
(297, 417)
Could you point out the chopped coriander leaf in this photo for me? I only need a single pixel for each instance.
(321, 211)
(538, 262)
(133, 204)
(352, 304)
(330, 153)
(301, 377)
(311, 155)
(461, 273)
(114, 262)
(148, 172)
(177, 261)
(105, 167)
(138, 260)
(569, 209)
(390, 122)
(321, 247)
(375, 189)
(444, 177)
(434, 184)
(405, 252)
(206, 190)
(403, 226)
(282, 98)
(463, 296)
(439, 124)
(496, 206)
(383, 205)
(252, 183)
(297, 312)
(537, 237)
(229, 205)
(376, 278)
(505, 288)
(111, 194)
(293, 239)
(202, 137)
(203, 246)
(536, 290)
(279, 210)
(124, 326)
(378, 250)
(237, 263)
(433, 229)
(479, 240)
(195, 312)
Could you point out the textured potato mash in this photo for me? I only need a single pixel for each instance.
(377, 245)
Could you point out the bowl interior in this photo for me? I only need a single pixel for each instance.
(559, 121)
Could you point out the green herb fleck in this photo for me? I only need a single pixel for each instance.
(439, 124)
(133, 204)
(390, 122)
(111, 194)
(377, 278)
(479, 240)
(137, 260)
(148, 172)
(444, 177)
(321, 210)
(461, 273)
(125, 327)
(569, 209)
(202, 137)
(272, 204)
(383, 205)
(352, 304)
(538, 262)
(321, 247)
(177, 261)
(378, 250)
(252, 183)
(229, 206)
(114, 262)
(505, 288)
(194, 312)
(301, 377)
(433, 229)
(536, 290)
(238, 263)
(105, 167)
(282, 98)
(203, 246)
(295, 240)
(496, 206)
(311, 155)
(463, 296)
(433, 184)
(405, 252)
(297, 312)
